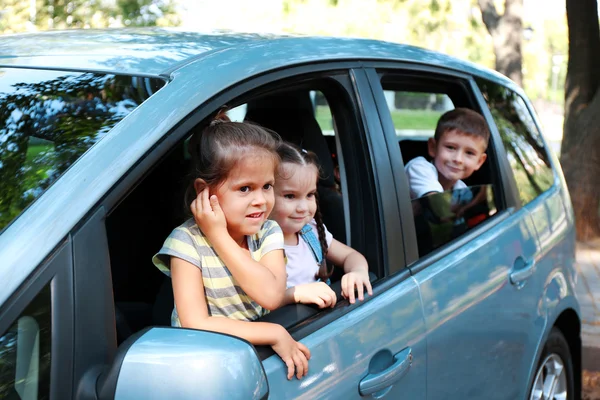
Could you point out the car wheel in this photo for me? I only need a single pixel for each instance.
(553, 379)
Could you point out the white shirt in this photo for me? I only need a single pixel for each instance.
(423, 178)
(301, 264)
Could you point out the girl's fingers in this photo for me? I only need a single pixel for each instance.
(304, 350)
(350, 288)
(369, 288)
(214, 203)
(326, 300)
(193, 207)
(290, 366)
(319, 302)
(299, 365)
(361, 290)
(205, 202)
(304, 362)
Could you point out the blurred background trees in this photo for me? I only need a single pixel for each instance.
(527, 40)
(527, 33)
(580, 153)
(28, 15)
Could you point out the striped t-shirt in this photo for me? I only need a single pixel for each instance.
(224, 296)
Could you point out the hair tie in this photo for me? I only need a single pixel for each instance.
(304, 151)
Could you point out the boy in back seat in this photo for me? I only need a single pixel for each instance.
(457, 150)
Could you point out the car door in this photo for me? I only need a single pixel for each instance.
(482, 317)
(375, 347)
(371, 348)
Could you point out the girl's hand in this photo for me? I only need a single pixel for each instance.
(294, 354)
(318, 293)
(208, 214)
(358, 280)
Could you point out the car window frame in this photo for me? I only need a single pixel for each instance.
(506, 197)
(552, 158)
(56, 271)
(146, 163)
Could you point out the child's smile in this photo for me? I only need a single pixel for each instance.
(295, 204)
(456, 156)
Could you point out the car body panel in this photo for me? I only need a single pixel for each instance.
(480, 327)
(156, 51)
(342, 352)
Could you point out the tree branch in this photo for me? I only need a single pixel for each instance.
(489, 14)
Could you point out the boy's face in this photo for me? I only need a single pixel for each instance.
(456, 155)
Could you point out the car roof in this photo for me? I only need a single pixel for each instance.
(161, 51)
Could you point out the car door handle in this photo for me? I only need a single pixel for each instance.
(519, 275)
(373, 383)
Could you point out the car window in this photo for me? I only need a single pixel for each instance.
(48, 119)
(25, 352)
(415, 106)
(442, 217)
(522, 140)
(415, 114)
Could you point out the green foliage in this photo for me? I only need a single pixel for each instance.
(17, 16)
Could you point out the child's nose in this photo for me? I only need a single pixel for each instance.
(301, 205)
(259, 198)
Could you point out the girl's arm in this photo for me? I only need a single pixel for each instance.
(188, 291)
(263, 281)
(355, 267)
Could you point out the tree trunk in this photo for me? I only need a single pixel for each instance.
(507, 34)
(580, 149)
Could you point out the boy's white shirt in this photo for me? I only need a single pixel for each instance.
(423, 178)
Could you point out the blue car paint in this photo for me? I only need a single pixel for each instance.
(182, 360)
(480, 327)
(341, 352)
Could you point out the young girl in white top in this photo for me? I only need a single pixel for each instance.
(307, 243)
(227, 264)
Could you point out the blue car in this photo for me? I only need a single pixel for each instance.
(94, 163)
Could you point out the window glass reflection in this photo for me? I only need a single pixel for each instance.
(25, 352)
(442, 217)
(48, 119)
(522, 140)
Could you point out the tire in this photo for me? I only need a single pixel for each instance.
(555, 366)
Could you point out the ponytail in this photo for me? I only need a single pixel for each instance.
(325, 271)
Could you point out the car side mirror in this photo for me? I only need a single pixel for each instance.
(176, 363)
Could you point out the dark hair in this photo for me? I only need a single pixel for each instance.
(464, 120)
(290, 153)
(221, 144)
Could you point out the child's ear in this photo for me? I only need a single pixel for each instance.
(199, 185)
(431, 147)
(481, 161)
